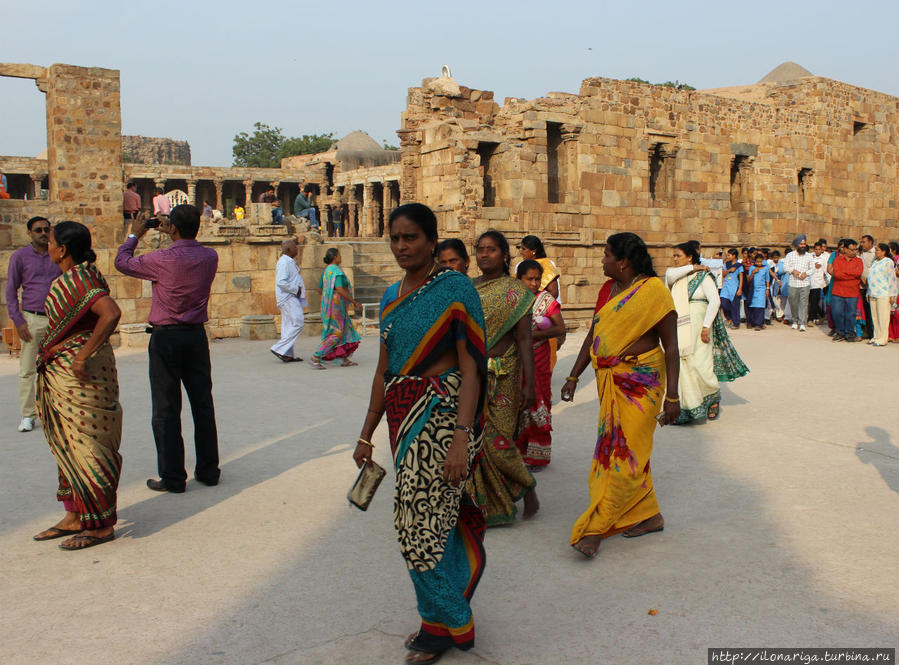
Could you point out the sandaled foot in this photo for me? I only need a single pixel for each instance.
(349, 363)
(83, 541)
(713, 411)
(531, 505)
(588, 546)
(56, 532)
(410, 640)
(651, 525)
(423, 657)
(316, 364)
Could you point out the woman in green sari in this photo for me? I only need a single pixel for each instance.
(78, 392)
(430, 384)
(339, 337)
(502, 477)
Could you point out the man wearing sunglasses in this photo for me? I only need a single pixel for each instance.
(32, 271)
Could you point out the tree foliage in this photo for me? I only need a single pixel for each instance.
(267, 146)
(677, 85)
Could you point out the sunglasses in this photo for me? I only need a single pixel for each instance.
(44, 229)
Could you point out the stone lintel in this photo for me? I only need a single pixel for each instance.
(22, 70)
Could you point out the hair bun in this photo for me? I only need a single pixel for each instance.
(90, 256)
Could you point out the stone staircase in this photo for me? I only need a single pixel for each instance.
(374, 269)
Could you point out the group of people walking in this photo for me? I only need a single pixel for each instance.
(464, 380)
(853, 289)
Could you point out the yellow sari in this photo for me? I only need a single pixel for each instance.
(631, 391)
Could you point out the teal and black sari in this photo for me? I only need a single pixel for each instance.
(438, 525)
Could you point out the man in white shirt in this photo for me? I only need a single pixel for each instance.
(799, 266)
(290, 294)
(715, 265)
(819, 281)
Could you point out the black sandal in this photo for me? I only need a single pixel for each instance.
(717, 410)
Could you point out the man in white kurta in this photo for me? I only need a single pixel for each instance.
(290, 294)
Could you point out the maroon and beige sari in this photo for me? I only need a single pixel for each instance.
(81, 420)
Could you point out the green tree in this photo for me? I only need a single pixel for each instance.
(260, 149)
(677, 85)
(388, 146)
(267, 146)
(307, 144)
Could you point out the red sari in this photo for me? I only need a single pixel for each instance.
(535, 425)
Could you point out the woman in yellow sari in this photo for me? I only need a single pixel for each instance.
(636, 381)
(502, 478)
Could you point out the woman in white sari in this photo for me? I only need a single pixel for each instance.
(706, 354)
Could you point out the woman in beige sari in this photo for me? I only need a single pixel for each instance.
(78, 392)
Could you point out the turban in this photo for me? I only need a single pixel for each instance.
(798, 239)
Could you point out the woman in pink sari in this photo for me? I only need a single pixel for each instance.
(535, 424)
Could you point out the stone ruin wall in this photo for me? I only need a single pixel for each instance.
(573, 169)
(147, 150)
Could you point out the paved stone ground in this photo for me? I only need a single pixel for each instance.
(782, 529)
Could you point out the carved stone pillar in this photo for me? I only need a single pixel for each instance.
(192, 192)
(410, 158)
(568, 169)
(218, 194)
(248, 191)
(368, 211)
(36, 180)
(386, 206)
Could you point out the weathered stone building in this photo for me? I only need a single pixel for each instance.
(152, 150)
(744, 165)
(751, 165)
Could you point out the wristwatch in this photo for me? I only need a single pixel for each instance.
(131, 235)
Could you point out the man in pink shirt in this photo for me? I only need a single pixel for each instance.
(161, 203)
(131, 201)
(182, 276)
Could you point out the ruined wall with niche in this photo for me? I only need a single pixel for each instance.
(815, 156)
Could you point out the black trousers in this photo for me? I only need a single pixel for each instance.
(815, 304)
(869, 323)
(181, 355)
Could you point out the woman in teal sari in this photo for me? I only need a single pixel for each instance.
(431, 382)
(339, 337)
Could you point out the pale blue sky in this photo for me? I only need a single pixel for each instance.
(204, 71)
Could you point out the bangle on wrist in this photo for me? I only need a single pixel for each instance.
(572, 378)
(673, 400)
(367, 443)
(463, 428)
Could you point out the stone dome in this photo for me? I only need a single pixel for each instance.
(786, 71)
(357, 149)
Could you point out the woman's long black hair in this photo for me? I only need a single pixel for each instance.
(630, 246)
(500, 240)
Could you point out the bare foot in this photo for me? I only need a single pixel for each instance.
(588, 546)
(651, 525)
(531, 504)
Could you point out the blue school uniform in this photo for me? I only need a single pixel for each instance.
(759, 282)
(731, 281)
(781, 271)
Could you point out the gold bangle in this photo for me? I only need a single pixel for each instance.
(673, 400)
(367, 443)
(572, 378)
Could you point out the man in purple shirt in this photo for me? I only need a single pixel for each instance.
(30, 269)
(182, 277)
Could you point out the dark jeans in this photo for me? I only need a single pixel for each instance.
(181, 355)
(731, 310)
(843, 310)
(869, 322)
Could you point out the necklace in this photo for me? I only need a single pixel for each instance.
(403, 281)
(626, 287)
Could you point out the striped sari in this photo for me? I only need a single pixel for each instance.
(439, 527)
(81, 420)
(339, 337)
